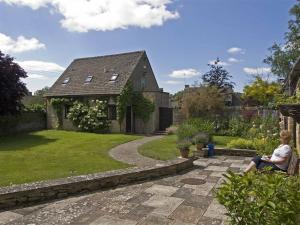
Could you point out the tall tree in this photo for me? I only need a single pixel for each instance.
(42, 91)
(218, 77)
(261, 92)
(12, 89)
(202, 102)
(283, 56)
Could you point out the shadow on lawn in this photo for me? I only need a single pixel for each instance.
(22, 142)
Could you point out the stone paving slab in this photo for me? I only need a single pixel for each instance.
(166, 201)
(163, 205)
(6, 217)
(108, 220)
(161, 190)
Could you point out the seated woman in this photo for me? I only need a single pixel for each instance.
(279, 159)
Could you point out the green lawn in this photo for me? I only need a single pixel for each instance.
(161, 149)
(221, 141)
(165, 148)
(53, 154)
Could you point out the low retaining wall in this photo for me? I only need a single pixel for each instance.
(235, 152)
(27, 194)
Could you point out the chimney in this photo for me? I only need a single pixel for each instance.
(186, 86)
(161, 90)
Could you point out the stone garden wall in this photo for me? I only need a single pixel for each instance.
(25, 122)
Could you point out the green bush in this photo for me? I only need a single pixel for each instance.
(36, 108)
(186, 131)
(266, 146)
(238, 127)
(261, 198)
(183, 144)
(202, 125)
(241, 143)
(90, 118)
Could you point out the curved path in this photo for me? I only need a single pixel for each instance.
(128, 152)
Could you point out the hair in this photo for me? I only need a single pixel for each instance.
(286, 135)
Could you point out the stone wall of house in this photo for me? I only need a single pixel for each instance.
(161, 99)
(25, 122)
(143, 78)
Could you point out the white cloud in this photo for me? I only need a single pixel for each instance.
(184, 73)
(34, 4)
(173, 82)
(40, 66)
(236, 50)
(103, 15)
(21, 44)
(37, 76)
(257, 71)
(234, 60)
(220, 63)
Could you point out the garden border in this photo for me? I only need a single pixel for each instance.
(28, 194)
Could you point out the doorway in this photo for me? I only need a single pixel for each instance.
(128, 119)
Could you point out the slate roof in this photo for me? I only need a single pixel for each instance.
(101, 68)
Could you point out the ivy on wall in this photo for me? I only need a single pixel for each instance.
(58, 105)
(141, 106)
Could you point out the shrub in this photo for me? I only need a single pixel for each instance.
(202, 125)
(202, 101)
(201, 138)
(238, 127)
(265, 146)
(35, 108)
(90, 118)
(183, 144)
(186, 131)
(171, 130)
(261, 198)
(241, 143)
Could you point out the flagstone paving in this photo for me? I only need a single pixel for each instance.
(166, 201)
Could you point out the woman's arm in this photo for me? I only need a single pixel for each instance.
(279, 161)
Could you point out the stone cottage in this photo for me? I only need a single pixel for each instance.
(106, 76)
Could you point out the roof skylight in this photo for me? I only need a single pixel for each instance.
(66, 80)
(114, 77)
(88, 79)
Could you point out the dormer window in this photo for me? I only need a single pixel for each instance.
(66, 80)
(88, 79)
(114, 77)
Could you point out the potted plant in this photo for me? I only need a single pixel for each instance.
(184, 148)
(200, 140)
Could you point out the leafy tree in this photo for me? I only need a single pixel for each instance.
(42, 91)
(202, 102)
(261, 92)
(12, 89)
(217, 76)
(283, 57)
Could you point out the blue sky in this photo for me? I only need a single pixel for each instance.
(179, 36)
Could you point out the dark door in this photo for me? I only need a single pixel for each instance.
(165, 118)
(128, 119)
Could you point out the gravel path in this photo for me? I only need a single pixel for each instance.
(128, 152)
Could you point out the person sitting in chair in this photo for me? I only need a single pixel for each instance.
(279, 159)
